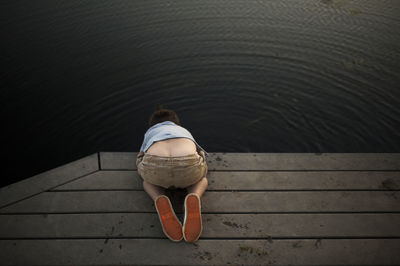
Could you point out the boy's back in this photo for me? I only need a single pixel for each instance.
(173, 147)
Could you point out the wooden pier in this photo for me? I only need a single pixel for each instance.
(259, 209)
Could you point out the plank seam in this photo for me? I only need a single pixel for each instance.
(204, 212)
(45, 191)
(271, 238)
(275, 170)
(231, 190)
(234, 190)
(85, 175)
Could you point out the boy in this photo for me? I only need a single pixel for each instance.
(170, 158)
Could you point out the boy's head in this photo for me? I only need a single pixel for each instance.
(161, 115)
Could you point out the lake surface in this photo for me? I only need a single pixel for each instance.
(243, 75)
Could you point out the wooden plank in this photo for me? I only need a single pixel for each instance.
(48, 179)
(238, 202)
(273, 161)
(103, 180)
(118, 160)
(323, 180)
(214, 225)
(204, 252)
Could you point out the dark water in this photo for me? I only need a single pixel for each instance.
(243, 75)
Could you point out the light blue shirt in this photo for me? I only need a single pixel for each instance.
(166, 130)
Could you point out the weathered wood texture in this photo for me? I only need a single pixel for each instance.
(47, 180)
(273, 161)
(214, 202)
(280, 209)
(205, 252)
(136, 225)
(245, 180)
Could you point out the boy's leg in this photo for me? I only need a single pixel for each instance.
(199, 187)
(153, 190)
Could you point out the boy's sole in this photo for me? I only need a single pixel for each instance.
(161, 221)
(194, 215)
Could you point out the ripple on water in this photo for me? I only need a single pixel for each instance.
(244, 75)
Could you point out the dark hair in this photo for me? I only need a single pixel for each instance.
(161, 115)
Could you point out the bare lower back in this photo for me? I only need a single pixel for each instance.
(173, 147)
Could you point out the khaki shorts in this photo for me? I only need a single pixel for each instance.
(172, 172)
